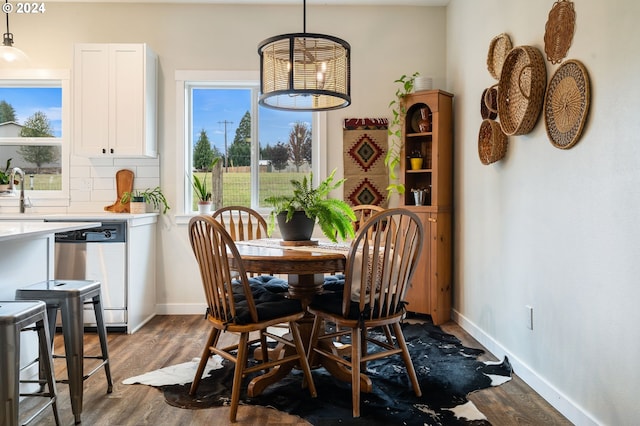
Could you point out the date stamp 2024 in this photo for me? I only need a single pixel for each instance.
(24, 7)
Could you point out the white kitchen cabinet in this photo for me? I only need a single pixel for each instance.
(115, 100)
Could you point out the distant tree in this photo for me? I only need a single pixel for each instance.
(279, 156)
(300, 144)
(202, 152)
(37, 126)
(39, 154)
(240, 150)
(7, 113)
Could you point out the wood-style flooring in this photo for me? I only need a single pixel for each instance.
(168, 340)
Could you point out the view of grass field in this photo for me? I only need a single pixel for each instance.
(236, 186)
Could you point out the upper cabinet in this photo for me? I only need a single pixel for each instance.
(115, 100)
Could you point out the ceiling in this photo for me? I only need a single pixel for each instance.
(278, 2)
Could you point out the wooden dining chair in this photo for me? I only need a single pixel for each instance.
(241, 308)
(377, 274)
(244, 224)
(363, 212)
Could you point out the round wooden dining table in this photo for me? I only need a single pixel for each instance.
(306, 267)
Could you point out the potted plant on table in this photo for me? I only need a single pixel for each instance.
(298, 213)
(415, 159)
(139, 199)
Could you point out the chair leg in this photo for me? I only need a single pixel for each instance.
(313, 341)
(411, 372)
(304, 363)
(46, 361)
(241, 362)
(355, 370)
(213, 337)
(102, 334)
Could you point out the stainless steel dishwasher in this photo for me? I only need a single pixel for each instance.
(97, 254)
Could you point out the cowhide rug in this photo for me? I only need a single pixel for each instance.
(447, 372)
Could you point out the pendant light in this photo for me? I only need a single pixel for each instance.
(305, 71)
(10, 55)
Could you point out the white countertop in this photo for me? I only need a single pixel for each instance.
(13, 230)
(71, 217)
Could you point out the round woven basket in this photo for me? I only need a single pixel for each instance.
(558, 32)
(492, 142)
(521, 90)
(489, 103)
(498, 49)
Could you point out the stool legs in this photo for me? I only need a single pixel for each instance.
(102, 334)
(10, 381)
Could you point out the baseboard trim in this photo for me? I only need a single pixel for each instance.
(568, 408)
(181, 308)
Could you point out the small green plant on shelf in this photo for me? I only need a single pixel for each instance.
(392, 158)
(154, 196)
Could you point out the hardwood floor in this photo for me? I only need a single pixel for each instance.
(168, 340)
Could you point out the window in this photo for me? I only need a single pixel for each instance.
(34, 131)
(259, 149)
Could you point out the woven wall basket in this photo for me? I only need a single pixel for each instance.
(489, 102)
(498, 49)
(492, 142)
(521, 90)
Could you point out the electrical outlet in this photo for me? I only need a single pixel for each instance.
(529, 317)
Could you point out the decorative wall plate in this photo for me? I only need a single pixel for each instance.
(559, 30)
(566, 104)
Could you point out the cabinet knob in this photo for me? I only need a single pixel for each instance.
(104, 151)
(111, 150)
(432, 219)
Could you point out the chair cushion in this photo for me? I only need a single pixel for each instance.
(271, 283)
(269, 304)
(331, 302)
(333, 282)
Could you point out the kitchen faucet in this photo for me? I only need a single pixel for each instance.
(19, 171)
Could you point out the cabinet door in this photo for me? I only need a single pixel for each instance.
(126, 99)
(91, 99)
(430, 289)
(115, 102)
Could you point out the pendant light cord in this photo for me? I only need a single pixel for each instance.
(304, 16)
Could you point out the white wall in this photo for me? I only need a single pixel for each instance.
(553, 229)
(386, 42)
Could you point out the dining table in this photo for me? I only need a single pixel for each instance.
(305, 263)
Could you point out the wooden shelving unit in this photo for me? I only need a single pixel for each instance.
(430, 289)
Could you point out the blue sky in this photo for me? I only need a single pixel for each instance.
(211, 107)
(27, 101)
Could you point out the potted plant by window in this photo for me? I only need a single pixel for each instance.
(201, 191)
(5, 177)
(138, 200)
(298, 213)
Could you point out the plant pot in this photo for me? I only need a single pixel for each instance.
(299, 228)
(137, 205)
(416, 163)
(204, 207)
(5, 187)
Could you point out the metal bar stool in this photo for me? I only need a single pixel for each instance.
(16, 317)
(69, 296)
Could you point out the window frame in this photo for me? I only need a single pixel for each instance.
(185, 81)
(44, 78)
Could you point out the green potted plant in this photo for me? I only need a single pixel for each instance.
(415, 159)
(201, 190)
(392, 159)
(309, 204)
(5, 177)
(154, 196)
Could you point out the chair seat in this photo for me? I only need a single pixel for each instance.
(269, 305)
(331, 302)
(333, 282)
